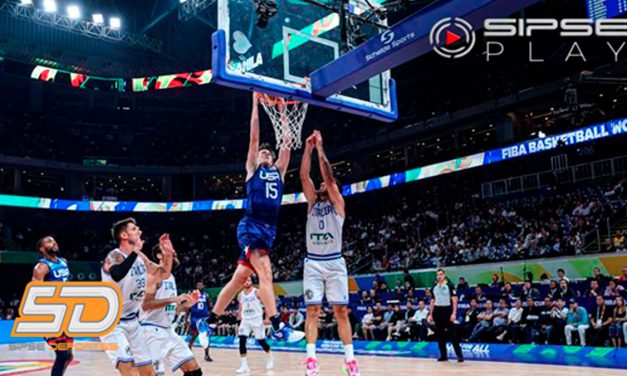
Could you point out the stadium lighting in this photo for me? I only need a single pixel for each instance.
(50, 6)
(182, 1)
(26, 2)
(98, 18)
(115, 23)
(74, 12)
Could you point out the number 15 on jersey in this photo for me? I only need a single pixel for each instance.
(271, 190)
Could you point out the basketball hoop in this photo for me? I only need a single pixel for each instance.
(287, 118)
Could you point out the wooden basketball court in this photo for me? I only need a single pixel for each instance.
(287, 364)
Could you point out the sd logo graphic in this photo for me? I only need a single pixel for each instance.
(452, 37)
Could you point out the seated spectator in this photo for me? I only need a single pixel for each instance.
(600, 321)
(327, 323)
(599, 277)
(352, 319)
(618, 240)
(399, 285)
(365, 298)
(561, 275)
(514, 322)
(577, 321)
(469, 320)
(594, 290)
(377, 320)
(462, 285)
(428, 296)
(495, 281)
(623, 276)
(411, 297)
(531, 320)
(554, 290)
(374, 296)
(566, 292)
(508, 292)
(557, 322)
(419, 325)
(367, 324)
(296, 320)
(484, 322)
(613, 290)
(479, 296)
(392, 318)
(618, 328)
(498, 330)
(285, 315)
(404, 331)
(544, 279)
(528, 291)
(383, 287)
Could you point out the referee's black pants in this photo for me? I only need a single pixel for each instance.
(443, 328)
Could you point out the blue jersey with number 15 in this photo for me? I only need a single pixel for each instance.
(264, 194)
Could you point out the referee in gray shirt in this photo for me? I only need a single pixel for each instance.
(443, 312)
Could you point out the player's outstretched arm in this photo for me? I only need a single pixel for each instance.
(305, 171)
(253, 143)
(162, 270)
(40, 271)
(326, 170)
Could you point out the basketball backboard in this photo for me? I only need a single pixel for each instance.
(300, 38)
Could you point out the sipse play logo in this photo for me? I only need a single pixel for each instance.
(453, 37)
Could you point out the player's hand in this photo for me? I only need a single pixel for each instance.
(186, 300)
(430, 319)
(318, 138)
(166, 244)
(310, 143)
(453, 318)
(266, 322)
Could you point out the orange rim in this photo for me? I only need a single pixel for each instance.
(270, 100)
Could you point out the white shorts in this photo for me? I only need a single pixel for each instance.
(166, 348)
(131, 345)
(257, 328)
(325, 278)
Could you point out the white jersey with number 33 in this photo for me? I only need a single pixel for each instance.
(324, 231)
(163, 317)
(132, 286)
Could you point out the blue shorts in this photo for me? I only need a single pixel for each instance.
(254, 235)
(192, 323)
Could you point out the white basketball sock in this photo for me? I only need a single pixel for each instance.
(311, 350)
(349, 353)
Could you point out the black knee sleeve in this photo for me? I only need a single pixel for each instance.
(242, 345)
(264, 345)
(62, 357)
(197, 372)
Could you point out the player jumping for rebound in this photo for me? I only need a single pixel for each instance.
(160, 306)
(199, 311)
(324, 269)
(251, 315)
(128, 268)
(52, 268)
(257, 230)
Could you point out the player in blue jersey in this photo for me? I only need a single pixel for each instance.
(52, 268)
(199, 311)
(257, 230)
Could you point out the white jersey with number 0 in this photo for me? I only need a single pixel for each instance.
(324, 231)
(132, 286)
(252, 310)
(163, 317)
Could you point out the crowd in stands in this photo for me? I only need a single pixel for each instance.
(414, 232)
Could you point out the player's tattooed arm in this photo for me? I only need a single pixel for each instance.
(253, 143)
(117, 266)
(40, 271)
(326, 170)
(305, 171)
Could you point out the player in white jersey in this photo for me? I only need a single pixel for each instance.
(159, 308)
(128, 268)
(251, 315)
(325, 271)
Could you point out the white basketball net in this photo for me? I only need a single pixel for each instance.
(287, 118)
